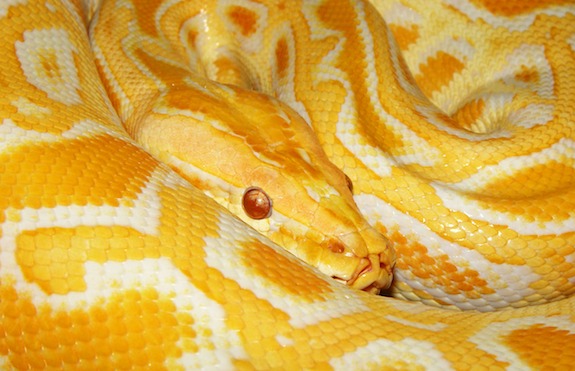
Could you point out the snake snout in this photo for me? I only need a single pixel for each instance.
(361, 260)
(372, 274)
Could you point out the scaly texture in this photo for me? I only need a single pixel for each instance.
(110, 260)
(460, 154)
(470, 165)
(439, 180)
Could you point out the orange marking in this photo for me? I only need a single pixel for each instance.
(139, 326)
(405, 36)
(145, 12)
(282, 57)
(510, 8)
(133, 328)
(543, 347)
(467, 115)
(193, 38)
(168, 72)
(278, 269)
(330, 13)
(244, 18)
(529, 75)
(414, 257)
(78, 172)
(527, 183)
(230, 72)
(54, 258)
(438, 72)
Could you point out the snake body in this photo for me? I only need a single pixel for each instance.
(470, 153)
(109, 259)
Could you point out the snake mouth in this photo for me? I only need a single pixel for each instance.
(362, 260)
(371, 274)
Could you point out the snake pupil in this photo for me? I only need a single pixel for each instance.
(256, 203)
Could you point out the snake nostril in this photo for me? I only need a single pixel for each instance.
(336, 247)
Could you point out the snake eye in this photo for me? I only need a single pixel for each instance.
(257, 204)
(349, 183)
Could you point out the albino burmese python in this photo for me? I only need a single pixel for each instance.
(111, 260)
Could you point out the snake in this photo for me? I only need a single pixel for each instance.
(242, 215)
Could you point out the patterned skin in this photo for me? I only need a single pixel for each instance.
(111, 260)
(213, 135)
(437, 177)
(474, 163)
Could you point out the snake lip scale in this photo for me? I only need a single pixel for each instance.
(227, 184)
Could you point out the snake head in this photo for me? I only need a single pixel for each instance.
(260, 160)
(317, 221)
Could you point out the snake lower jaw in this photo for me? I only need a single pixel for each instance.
(371, 275)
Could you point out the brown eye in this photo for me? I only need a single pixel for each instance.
(349, 183)
(257, 204)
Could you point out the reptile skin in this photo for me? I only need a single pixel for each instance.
(112, 255)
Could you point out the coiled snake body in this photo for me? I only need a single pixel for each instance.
(110, 259)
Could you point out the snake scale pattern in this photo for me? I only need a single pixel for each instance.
(227, 184)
